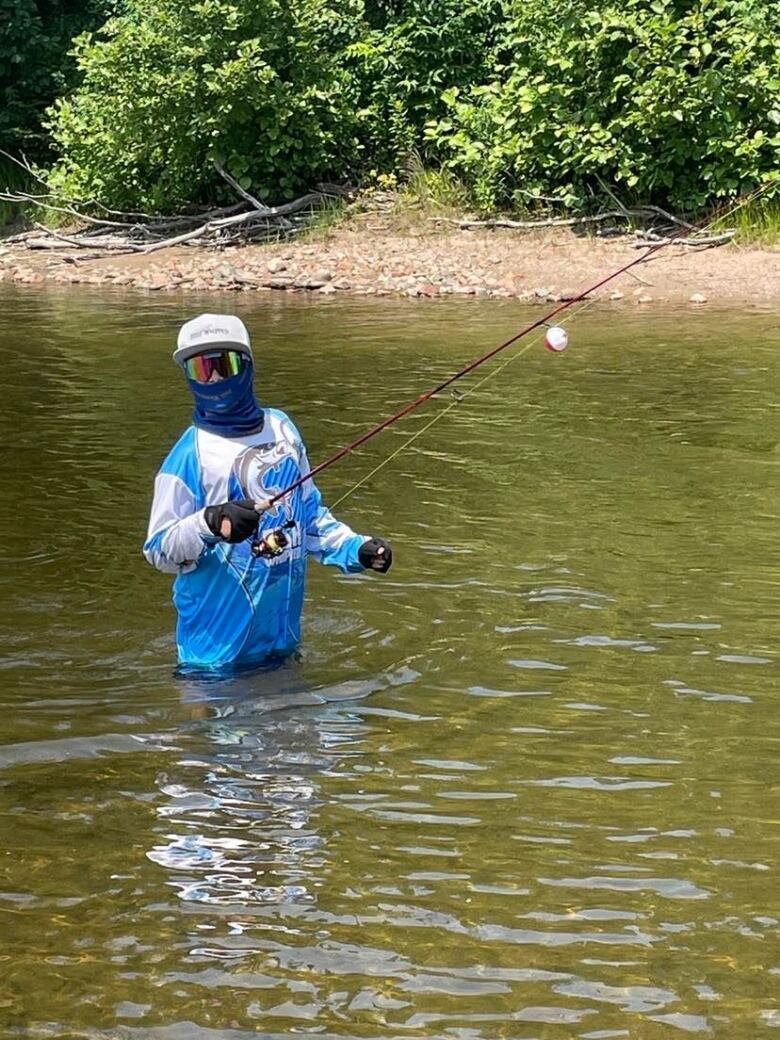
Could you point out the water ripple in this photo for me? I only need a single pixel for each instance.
(519, 787)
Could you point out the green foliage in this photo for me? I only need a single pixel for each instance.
(283, 93)
(434, 190)
(169, 87)
(669, 100)
(12, 178)
(35, 68)
(405, 55)
(757, 223)
(329, 215)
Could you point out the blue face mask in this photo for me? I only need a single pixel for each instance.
(227, 407)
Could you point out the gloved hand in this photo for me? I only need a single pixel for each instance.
(232, 521)
(376, 555)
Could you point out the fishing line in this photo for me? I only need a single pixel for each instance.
(452, 404)
(545, 320)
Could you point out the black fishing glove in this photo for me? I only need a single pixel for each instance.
(376, 555)
(232, 521)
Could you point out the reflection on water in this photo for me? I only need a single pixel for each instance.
(243, 806)
(241, 815)
(521, 787)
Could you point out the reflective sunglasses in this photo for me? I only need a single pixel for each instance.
(225, 363)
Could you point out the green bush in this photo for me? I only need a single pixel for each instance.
(671, 101)
(284, 93)
(35, 37)
(168, 86)
(665, 100)
(405, 55)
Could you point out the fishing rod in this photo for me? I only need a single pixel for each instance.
(556, 343)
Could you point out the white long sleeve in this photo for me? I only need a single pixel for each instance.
(174, 542)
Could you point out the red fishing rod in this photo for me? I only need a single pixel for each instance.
(261, 548)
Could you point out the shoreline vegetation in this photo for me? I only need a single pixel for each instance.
(503, 148)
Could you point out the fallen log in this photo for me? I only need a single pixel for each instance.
(502, 222)
(115, 231)
(648, 238)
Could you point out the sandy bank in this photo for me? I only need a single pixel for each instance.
(429, 263)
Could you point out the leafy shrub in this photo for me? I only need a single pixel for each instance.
(285, 93)
(672, 101)
(168, 86)
(669, 100)
(35, 66)
(405, 55)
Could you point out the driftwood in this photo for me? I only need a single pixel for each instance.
(650, 238)
(544, 222)
(94, 227)
(260, 206)
(667, 227)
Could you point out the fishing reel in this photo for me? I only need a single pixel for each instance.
(273, 543)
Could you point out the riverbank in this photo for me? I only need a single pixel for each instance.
(427, 261)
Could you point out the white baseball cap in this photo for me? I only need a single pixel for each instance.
(211, 332)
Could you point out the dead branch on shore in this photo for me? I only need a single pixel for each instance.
(114, 232)
(662, 226)
(88, 225)
(703, 240)
(504, 222)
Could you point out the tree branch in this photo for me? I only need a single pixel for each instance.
(258, 205)
(529, 224)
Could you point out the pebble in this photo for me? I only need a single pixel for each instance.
(245, 278)
(390, 268)
(225, 272)
(427, 289)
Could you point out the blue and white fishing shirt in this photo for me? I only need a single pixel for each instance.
(234, 608)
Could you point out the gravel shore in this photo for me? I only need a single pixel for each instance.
(548, 266)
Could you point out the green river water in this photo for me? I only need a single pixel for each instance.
(523, 786)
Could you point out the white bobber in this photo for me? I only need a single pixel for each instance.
(556, 339)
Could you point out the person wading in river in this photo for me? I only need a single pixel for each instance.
(239, 601)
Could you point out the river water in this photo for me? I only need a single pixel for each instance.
(523, 786)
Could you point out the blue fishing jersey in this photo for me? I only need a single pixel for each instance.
(235, 608)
